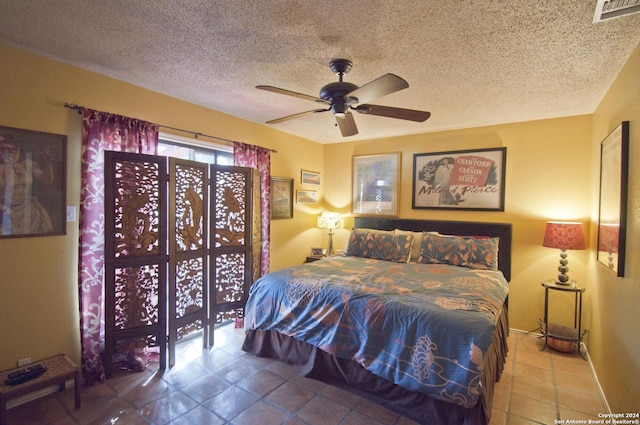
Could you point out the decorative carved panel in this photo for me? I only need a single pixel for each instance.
(135, 257)
(231, 248)
(230, 208)
(136, 291)
(230, 277)
(136, 208)
(190, 296)
(226, 316)
(189, 286)
(189, 211)
(189, 329)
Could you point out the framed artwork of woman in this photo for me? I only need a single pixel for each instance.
(32, 183)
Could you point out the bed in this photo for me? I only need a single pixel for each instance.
(413, 316)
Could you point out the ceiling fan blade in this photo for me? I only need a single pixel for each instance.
(300, 114)
(391, 112)
(292, 93)
(347, 125)
(387, 84)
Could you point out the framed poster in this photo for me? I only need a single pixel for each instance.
(307, 196)
(376, 182)
(281, 197)
(461, 180)
(612, 221)
(32, 183)
(310, 177)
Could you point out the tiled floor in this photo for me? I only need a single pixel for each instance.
(224, 385)
(538, 387)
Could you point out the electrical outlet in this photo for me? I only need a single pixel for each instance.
(24, 361)
(71, 213)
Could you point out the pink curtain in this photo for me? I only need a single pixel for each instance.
(256, 157)
(100, 131)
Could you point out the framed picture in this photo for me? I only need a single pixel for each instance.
(32, 183)
(307, 196)
(318, 252)
(281, 197)
(310, 177)
(376, 182)
(461, 180)
(612, 221)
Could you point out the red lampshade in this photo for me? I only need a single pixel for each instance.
(609, 238)
(564, 235)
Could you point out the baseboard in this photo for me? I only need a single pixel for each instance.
(586, 351)
(595, 377)
(38, 394)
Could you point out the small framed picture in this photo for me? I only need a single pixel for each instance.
(281, 197)
(307, 196)
(318, 252)
(310, 177)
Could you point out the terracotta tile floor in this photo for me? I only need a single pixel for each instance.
(224, 385)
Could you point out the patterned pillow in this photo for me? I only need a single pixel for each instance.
(416, 244)
(379, 246)
(355, 246)
(460, 251)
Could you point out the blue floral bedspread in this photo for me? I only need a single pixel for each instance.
(425, 327)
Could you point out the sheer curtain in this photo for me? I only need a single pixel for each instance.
(245, 155)
(100, 131)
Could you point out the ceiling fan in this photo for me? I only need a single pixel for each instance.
(342, 97)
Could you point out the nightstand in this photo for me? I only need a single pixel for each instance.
(312, 259)
(561, 337)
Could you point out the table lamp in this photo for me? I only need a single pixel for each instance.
(330, 220)
(564, 235)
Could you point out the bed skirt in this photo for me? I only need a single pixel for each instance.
(314, 363)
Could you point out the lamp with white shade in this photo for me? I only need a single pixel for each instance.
(331, 221)
(564, 235)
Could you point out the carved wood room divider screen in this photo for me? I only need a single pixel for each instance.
(172, 267)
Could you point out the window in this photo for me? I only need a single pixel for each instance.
(194, 150)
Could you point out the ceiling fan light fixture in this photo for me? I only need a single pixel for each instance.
(339, 110)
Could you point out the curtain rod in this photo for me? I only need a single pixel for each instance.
(81, 109)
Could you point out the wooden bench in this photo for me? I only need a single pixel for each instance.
(59, 369)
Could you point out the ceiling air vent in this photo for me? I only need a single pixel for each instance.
(610, 9)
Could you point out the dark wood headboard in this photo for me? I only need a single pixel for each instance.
(458, 228)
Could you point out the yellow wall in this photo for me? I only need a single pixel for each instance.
(615, 337)
(38, 275)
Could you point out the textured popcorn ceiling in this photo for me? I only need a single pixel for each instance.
(470, 63)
